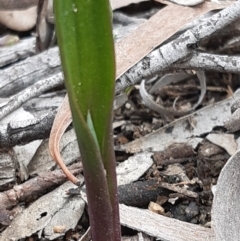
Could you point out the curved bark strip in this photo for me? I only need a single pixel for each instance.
(60, 124)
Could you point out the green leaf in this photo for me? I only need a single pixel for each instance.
(91, 62)
(91, 127)
(85, 39)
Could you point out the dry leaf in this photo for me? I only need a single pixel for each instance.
(121, 3)
(60, 124)
(155, 31)
(226, 208)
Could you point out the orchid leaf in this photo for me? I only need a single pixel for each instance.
(84, 34)
(91, 127)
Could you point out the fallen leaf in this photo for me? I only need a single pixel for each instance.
(226, 141)
(122, 3)
(226, 208)
(176, 132)
(60, 124)
(155, 31)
